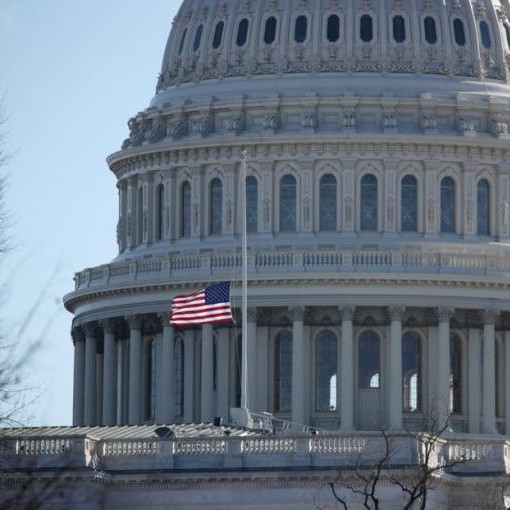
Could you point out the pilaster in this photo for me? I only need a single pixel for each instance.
(474, 380)
(79, 376)
(135, 369)
(395, 404)
(346, 379)
(441, 416)
(90, 416)
(488, 373)
(165, 380)
(109, 373)
(298, 366)
(348, 195)
(207, 383)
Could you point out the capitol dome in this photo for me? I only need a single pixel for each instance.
(378, 218)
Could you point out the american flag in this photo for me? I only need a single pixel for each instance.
(208, 306)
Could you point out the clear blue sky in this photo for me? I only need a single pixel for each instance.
(73, 73)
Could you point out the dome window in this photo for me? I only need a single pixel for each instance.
(288, 204)
(327, 203)
(300, 29)
(483, 208)
(333, 32)
(485, 34)
(270, 30)
(409, 204)
(242, 32)
(369, 220)
(366, 29)
(429, 24)
(448, 220)
(198, 37)
(183, 38)
(252, 204)
(399, 29)
(216, 207)
(218, 35)
(458, 31)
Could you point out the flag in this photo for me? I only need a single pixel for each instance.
(208, 306)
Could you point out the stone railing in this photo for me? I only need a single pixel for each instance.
(200, 447)
(272, 445)
(123, 448)
(195, 267)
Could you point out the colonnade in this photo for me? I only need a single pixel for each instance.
(206, 368)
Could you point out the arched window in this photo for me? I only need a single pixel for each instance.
(150, 374)
(183, 38)
(327, 203)
(242, 32)
(455, 374)
(288, 195)
(270, 30)
(448, 205)
(369, 360)
(333, 28)
(238, 362)
(368, 208)
(485, 34)
(252, 204)
(140, 215)
(300, 29)
(366, 30)
(429, 24)
(500, 381)
(409, 204)
(216, 206)
(399, 29)
(483, 208)
(458, 31)
(411, 372)
(198, 37)
(326, 371)
(283, 372)
(186, 209)
(218, 34)
(178, 375)
(160, 211)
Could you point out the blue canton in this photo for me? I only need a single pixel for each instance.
(219, 293)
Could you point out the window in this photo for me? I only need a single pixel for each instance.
(283, 372)
(216, 206)
(448, 225)
(186, 209)
(368, 203)
(242, 32)
(369, 347)
(485, 34)
(327, 203)
(252, 204)
(198, 37)
(178, 375)
(140, 215)
(300, 29)
(409, 204)
(218, 34)
(499, 363)
(483, 208)
(366, 31)
(458, 31)
(429, 24)
(270, 30)
(238, 369)
(288, 194)
(507, 33)
(160, 211)
(399, 29)
(183, 38)
(150, 374)
(326, 371)
(455, 374)
(411, 372)
(333, 28)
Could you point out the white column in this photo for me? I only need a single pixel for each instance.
(395, 404)
(346, 379)
(222, 371)
(207, 381)
(252, 358)
(489, 373)
(135, 370)
(507, 383)
(109, 374)
(165, 380)
(474, 380)
(298, 366)
(442, 412)
(262, 368)
(90, 375)
(189, 363)
(79, 376)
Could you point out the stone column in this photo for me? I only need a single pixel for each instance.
(262, 368)
(252, 358)
(394, 402)
(474, 379)
(507, 383)
(298, 366)
(207, 380)
(488, 373)
(90, 375)
(79, 376)
(135, 370)
(189, 363)
(165, 380)
(346, 379)
(442, 411)
(222, 371)
(109, 374)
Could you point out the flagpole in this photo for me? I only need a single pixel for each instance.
(244, 309)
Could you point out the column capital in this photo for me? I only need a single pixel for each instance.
(347, 312)
(253, 314)
(77, 334)
(490, 316)
(297, 313)
(396, 312)
(164, 318)
(109, 326)
(444, 314)
(90, 329)
(134, 321)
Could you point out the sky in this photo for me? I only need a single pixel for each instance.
(72, 74)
